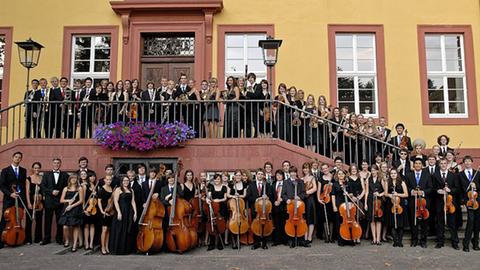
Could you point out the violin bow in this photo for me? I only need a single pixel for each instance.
(354, 203)
(473, 178)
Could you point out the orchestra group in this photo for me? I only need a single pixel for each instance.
(157, 209)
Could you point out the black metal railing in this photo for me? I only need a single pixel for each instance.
(210, 119)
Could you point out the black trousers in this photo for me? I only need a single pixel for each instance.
(397, 235)
(48, 224)
(86, 123)
(279, 218)
(48, 125)
(440, 225)
(473, 227)
(38, 228)
(419, 231)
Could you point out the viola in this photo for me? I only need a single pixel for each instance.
(178, 234)
(262, 225)
(110, 208)
(14, 233)
(472, 202)
(349, 229)
(296, 225)
(325, 195)
(238, 223)
(397, 209)
(150, 232)
(404, 142)
(421, 211)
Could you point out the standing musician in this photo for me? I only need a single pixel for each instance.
(137, 192)
(12, 184)
(71, 217)
(217, 193)
(147, 185)
(90, 215)
(443, 141)
(34, 204)
(237, 189)
(470, 182)
(375, 192)
(310, 190)
(446, 183)
(419, 183)
(339, 186)
(398, 139)
(31, 110)
(288, 195)
(279, 212)
(256, 190)
(105, 203)
(151, 111)
(46, 96)
(325, 213)
(403, 164)
(397, 191)
(86, 109)
(109, 170)
(52, 185)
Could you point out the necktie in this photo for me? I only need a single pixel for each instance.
(150, 185)
(417, 177)
(16, 172)
(43, 93)
(171, 190)
(63, 93)
(259, 189)
(443, 176)
(470, 176)
(431, 170)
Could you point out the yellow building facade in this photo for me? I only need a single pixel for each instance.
(399, 44)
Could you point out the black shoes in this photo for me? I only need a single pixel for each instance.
(438, 245)
(423, 245)
(44, 242)
(255, 246)
(455, 246)
(466, 249)
(476, 248)
(414, 243)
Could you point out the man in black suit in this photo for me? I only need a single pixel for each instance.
(432, 168)
(181, 93)
(141, 174)
(419, 183)
(469, 179)
(64, 112)
(109, 170)
(443, 141)
(52, 186)
(148, 184)
(279, 213)
(166, 193)
(58, 94)
(12, 184)
(46, 108)
(258, 189)
(87, 109)
(288, 196)
(403, 164)
(397, 140)
(254, 92)
(30, 108)
(445, 183)
(151, 111)
(137, 192)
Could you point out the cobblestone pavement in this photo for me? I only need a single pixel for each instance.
(319, 256)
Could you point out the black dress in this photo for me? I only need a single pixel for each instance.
(232, 117)
(38, 217)
(401, 220)
(187, 193)
(310, 208)
(92, 219)
(121, 237)
(105, 196)
(74, 216)
(310, 133)
(218, 195)
(373, 186)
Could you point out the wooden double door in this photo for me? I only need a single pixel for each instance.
(172, 71)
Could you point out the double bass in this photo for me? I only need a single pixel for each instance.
(14, 233)
(349, 229)
(178, 234)
(296, 226)
(238, 223)
(150, 232)
(262, 225)
(197, 213)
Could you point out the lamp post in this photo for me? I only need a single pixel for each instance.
(29, 55)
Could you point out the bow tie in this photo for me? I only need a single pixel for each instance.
(56, 171)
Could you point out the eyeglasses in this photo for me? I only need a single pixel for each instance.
(403, 154)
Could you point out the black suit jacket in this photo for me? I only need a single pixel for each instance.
(166, 190)
(252, 193)
(146, 189)
(425, 185)
(137, 191)
(452, 182)
(444, 153)
(48, 185)
(288, 190)
(7, 180)
(408, 169)
(465, 183)
(178, 91)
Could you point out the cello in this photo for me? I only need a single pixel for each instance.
(247, 238)
(238, 223)
(14, 233)
(178, 234)
(349, 229)
(216, 223)
(197, 213)
(296, 225)
(150, 232)
(262, 225)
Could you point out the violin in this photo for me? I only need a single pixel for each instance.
(91, 205)
(448, 202)
(472, 195)
(37, 201)
(377, 207)
(110, 208)
(14, 233)
(325, 195)
(404, 142)
(397, 209)
(150, 232)
(349, 229)
(238, 223)
(262, 225)
(178, 234)
(421, 211)
(296, 225)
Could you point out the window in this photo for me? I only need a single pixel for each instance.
(91, 57)
(2, 63)
(357, 73)
(243, 54)
(447, 93)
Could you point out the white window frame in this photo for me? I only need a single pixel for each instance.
(356, 74)
(448, 74)
(94, 75)
(1, 69)
(260, 74)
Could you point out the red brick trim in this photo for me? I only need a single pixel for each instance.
(69, 31)
(7, 33)
(380, 58)
(466, 31)
(223, 29)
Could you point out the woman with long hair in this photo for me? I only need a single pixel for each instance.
(90, 220)
(71, 218)
(211, 118)
(33, 188)
(310, 189)
(231, 120)
(104, 202)
(374, 191)
(397, 189)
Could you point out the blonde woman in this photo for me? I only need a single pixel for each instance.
(71, 218)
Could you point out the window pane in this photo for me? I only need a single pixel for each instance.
(367, 108)
(234, 53)
(436, 108)
(344, 53)
(346, 95)
(252, 40)
(455, 95)
(366, 82)
(455, 83)
(454, 65)
(457, 107)
(102, 42)
(366, 65)
(434, 65)
(82, 54)
(256, 65)
(235, 65)
(365, 41)
(453, 54)
(434, 54)
(345, 82)
(234, 40)
(366, 95)
(345, 65)
(435, 95)
(365, 53)
(102, 54)
(432, 41)
(344, 41)
(452, 42)
(102, 66)
(435, 83)
(254, 53)
(81, 66)
(82, 43)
